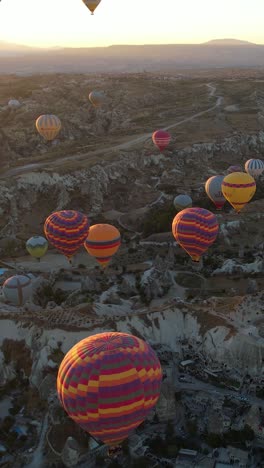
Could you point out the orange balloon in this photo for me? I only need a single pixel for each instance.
(103, 242)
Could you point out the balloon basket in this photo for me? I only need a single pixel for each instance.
(115, 451)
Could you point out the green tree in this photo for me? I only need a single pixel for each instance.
(214, 440)
(141, 462)
(192, 427)
(169, 431)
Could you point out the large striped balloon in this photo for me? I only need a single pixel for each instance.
(238, 188)
(254, 167)
(161, 139)
(91, 4)
(37, 246)
(213, 188)
(108, 383)
(195, 229)
(103, 242)
(66, 231)
(48, 126)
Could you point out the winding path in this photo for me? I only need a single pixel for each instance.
(37, 460)
(128, 144)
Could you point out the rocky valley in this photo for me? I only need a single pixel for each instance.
(204, 320)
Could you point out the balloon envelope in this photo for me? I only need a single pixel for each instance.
(97, 98)
(254, 167)
(108, 383)
(161, 139)
(37, 246)
(103, 242)
(238, 188)
(91, 4)
(195, 229)
(182, 201)
(48, 126)
(67, 230)
(17, 289)
(213, 188)
(232, 169)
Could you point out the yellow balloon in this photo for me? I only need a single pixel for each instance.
(238, 188)
(48, 126)
(91, 4)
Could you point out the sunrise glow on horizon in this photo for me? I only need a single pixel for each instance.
(69, 23)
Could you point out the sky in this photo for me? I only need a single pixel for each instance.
(69, 23)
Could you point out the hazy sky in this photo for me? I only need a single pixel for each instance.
(68, 22)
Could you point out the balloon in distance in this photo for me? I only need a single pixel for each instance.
(238, 188)
(161, 139)
(103, 242)
(96, 98)
(195, 230)
(108, 383)
(182, 201)
(254, 167)
(232, 169)
(213, 188)
(17, 289)
(66, 230)
(91, 4)
(48, 126)
(37, 246)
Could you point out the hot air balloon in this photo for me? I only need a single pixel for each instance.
(91, 4)
(182, 201)
(37, 246)
(213, 188)
(195, 229)
(232, 169)
(254, 167)
(161, 139)
(66, 231)
(97, 98)
(238, 188)
(108, 383)
(48, 126)
(103, 242)
(17, 289)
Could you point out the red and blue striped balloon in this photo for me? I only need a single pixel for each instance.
(67, 230)
(195, 229)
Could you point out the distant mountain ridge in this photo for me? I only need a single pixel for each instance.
(229, 42)
(132, 58)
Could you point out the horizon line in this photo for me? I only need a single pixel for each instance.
(240, 42)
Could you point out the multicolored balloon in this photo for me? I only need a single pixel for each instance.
(103, 242)
(213, 188)
(182, 201)
(91, 4)
(37, 246)
(195, 229)
(108, 383)
(17, 289)
(67, 230)
(161, 139)
(232, 169)
(238, 188)
(254, 167)
(48, 126)
(96, 98)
